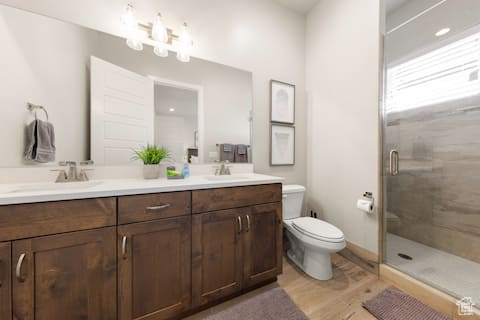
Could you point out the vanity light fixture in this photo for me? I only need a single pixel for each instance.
(442, 32)
(185, 43)
(162, 36)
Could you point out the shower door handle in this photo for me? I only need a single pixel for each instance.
(394, 158)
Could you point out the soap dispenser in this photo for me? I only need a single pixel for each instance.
(186, 169)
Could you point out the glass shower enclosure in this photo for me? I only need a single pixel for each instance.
(431, 143)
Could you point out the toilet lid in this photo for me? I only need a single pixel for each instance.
(318, 229)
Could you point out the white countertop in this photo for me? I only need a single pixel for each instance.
(43, 192)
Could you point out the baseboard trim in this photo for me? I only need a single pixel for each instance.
(360, 256)
(435, 298)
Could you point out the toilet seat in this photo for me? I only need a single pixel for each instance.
(318, 229)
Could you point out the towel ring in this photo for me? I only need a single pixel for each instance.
(33, 107)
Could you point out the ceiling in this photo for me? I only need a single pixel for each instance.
(392, 5)
(302, 6)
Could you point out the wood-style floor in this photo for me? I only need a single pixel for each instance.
(337, 299)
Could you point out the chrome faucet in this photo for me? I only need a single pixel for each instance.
(223, 170)
(71, 174)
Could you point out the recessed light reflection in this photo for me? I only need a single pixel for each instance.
(442, 32)
(171, 109)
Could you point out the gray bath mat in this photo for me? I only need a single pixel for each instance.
(273, 304)
(393, 304)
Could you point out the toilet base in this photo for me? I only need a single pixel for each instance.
(317, 265)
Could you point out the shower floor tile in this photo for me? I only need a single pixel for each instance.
(455, 275)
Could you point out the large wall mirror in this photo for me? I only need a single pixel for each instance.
(105, 100)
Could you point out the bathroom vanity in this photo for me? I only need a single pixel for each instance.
(168, 252)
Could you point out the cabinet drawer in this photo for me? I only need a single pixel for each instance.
(235, 197)
(40, 219)
(153, 206)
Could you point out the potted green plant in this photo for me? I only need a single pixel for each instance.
(151, 155)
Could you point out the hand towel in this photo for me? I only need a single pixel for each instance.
(40, 142)
(227, 152)
(241, 154)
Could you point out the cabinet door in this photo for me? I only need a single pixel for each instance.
(154, 269)
(217, 255)
(263, 243)
(5, 281)
(67, 276)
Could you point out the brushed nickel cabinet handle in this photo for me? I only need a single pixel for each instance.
(240, 227)
(18, 270)
(248, 223)
(160, 207)
(124, 247)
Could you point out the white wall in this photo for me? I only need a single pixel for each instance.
(257, 35)
(342, 63)
(50, 71)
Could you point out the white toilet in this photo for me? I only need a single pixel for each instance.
(312, 240)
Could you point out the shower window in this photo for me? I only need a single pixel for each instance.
(444, 74)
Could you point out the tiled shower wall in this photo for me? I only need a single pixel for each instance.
(435, 200)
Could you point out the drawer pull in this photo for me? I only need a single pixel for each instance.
(240, 227)
(160, 207)
(124, 247)
(248, 223)
(18, 270)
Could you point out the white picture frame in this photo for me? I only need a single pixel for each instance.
(282, 145)
(282, 102)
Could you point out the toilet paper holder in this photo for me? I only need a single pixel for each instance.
(367, 204)
(369, 196)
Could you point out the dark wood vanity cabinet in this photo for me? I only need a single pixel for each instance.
(263, 243)
(154, 268)
(149, 257)
(65, 276)
(217, 255)
(5, 281)
(234, 249)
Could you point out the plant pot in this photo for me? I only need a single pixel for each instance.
(151, 171)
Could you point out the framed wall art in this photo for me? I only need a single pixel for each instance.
(282, 145)
(282, 102)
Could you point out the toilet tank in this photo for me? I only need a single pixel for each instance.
(292, 201)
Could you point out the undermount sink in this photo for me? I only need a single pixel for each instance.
(55, 186)
(226, 178)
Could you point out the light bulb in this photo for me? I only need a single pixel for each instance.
(160, 50)
(134, 36)
(184, 45)
(135, 44)
(159, 32)
(135, 39)
(128, 17)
